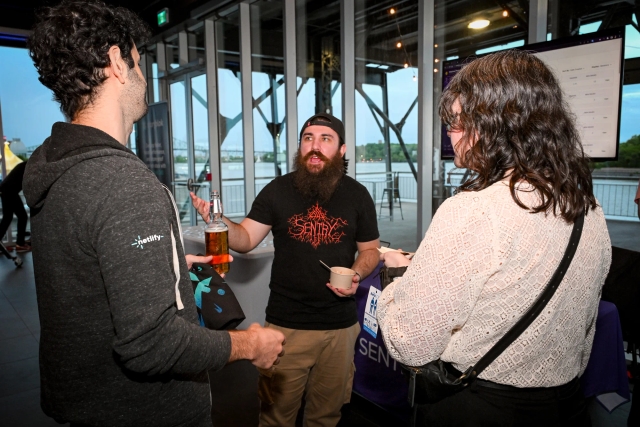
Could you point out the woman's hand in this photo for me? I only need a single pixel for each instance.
(201, 206)
(394, 259)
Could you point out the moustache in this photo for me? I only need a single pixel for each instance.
(317, 154)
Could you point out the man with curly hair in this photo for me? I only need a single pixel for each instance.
(120, 341)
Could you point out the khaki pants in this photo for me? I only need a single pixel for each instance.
(317, 365)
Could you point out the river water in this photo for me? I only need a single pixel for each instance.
(615, 195)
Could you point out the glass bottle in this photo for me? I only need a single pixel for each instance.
(216, 235)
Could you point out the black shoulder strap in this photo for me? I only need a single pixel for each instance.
(537, 306)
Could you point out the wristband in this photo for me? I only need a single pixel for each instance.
(359, 277)
(396, 272)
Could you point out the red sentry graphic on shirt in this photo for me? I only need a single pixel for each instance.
(316, 227)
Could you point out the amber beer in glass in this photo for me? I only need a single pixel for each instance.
(217, 244)
(216, 236)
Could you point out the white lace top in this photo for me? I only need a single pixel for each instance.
(482, 263)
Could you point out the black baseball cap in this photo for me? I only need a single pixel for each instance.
(324, 119)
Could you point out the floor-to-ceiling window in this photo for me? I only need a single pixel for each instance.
(318, 27)
(230, 107)
(386, 113)
(21, 94)
(267, 64)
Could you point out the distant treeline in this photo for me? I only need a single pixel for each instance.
(628, 155)
(377, 151)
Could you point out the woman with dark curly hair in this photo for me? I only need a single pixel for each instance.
(491, 249)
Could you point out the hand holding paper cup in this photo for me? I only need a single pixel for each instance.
(341, 277)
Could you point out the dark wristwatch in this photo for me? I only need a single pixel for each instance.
(387, 274)
(394, 272)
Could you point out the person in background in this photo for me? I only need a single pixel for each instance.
(120, 341)
(492, 248)
(10, 189)
(315, 213)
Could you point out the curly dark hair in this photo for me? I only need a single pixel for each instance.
(70, 44)
(512, 105)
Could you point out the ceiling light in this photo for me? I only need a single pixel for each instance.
(437, 60)
(435, 45)
(406, 65)
(505, 13)
(478, 24)
(435, 70)
(399, 45)
(392, 11)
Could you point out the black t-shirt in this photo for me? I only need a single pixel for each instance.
(305, 232)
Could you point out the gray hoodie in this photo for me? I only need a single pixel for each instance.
(120, 343)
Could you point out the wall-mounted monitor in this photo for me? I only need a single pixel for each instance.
(589, 68)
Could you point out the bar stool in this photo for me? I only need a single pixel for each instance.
(392, 192)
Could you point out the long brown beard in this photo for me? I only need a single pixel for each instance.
(318, 185)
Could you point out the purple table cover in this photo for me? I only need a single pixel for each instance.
(378, 376)
(606, 374)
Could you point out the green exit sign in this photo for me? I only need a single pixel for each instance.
(163, 17)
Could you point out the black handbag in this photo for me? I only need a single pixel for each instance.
(435, 381)
(217, 305)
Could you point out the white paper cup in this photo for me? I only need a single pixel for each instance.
(341, 277)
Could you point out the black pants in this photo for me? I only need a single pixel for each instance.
(12, 204)
(481, 405)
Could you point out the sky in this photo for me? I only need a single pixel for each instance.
(28, 110)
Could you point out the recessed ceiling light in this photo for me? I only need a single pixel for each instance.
(478, 24)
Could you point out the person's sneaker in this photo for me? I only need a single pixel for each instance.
(23, 248)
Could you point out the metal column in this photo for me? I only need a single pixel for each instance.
(425, 116)
(290, 80)
(212, 104)
(538, 20)
(348, 76)
(247, 105)
(161, 57)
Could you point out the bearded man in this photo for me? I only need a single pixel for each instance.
(315, 213)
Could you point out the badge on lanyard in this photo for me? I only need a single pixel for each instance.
(370, 321)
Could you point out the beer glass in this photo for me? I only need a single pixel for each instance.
(216, 236)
